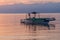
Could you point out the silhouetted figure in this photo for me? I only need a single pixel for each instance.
(29, 15)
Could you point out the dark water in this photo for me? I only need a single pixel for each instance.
(12, 29)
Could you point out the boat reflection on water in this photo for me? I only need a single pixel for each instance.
(40, 27)
(35, 32)
(37, 28)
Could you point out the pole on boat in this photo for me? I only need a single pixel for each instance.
(29, 15)
(34, 14)
(26, 16)
(39, 15)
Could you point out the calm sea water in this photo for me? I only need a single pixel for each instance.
(12, 29)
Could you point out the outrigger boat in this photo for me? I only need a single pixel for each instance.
(35, 20)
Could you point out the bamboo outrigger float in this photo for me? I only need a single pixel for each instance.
(34, 20)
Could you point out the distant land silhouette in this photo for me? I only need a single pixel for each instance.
(25, 8)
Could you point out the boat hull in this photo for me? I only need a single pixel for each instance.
(34, 22)
(37, 20)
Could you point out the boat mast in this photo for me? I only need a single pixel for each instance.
(39, 15)
(29, 15)
(26, 16)
(34, 14)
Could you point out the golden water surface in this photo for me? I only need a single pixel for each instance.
(12, 29)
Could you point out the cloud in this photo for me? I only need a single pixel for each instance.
(8, 2)
(18, 8)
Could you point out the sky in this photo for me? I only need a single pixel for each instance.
(11, 2)
(17, 6)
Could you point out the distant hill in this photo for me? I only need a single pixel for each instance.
(23, 8)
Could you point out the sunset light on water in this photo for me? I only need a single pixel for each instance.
(29, 19)
(12, 29)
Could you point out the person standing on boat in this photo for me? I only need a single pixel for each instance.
(29, 15)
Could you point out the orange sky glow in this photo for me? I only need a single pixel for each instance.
(6, 2)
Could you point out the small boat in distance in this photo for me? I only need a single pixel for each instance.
(36, 20)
